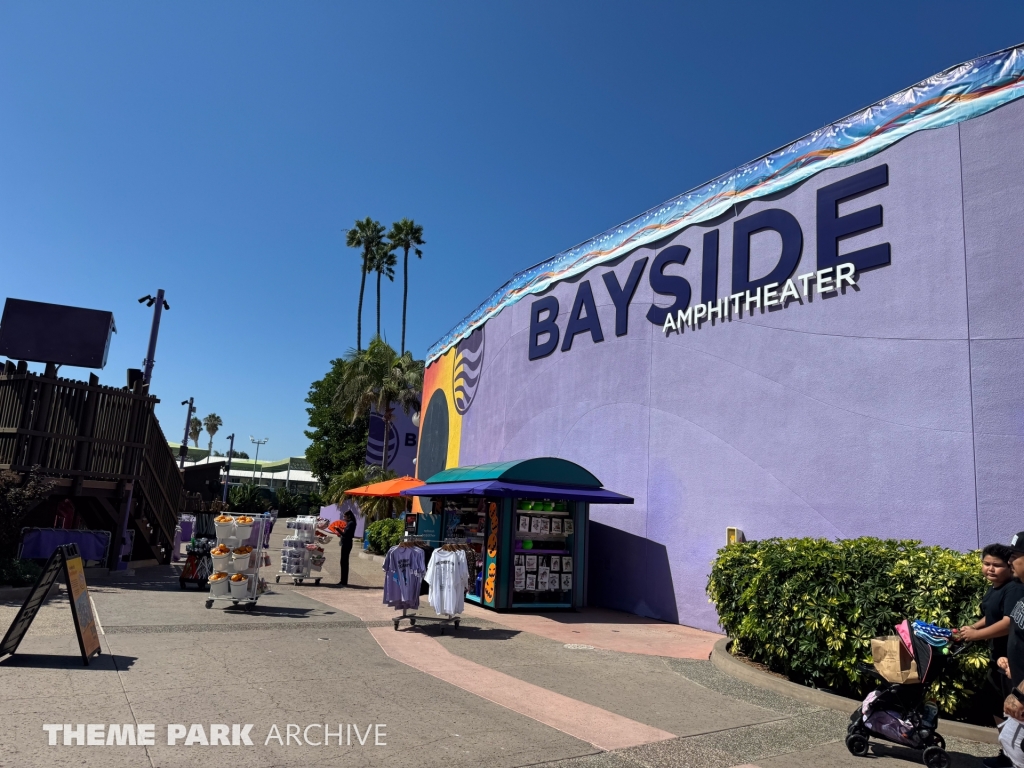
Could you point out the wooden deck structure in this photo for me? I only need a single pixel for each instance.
(103, 445)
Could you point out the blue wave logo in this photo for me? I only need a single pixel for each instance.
(375, 441)
(469, 363)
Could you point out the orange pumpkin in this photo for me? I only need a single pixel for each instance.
(489, 589)
(492, 569)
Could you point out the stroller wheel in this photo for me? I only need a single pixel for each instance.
(936, 741)
(858, 745)
(936, 757)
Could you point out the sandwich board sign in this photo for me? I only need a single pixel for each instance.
(65, 558)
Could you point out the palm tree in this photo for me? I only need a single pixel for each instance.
(194, 428)
(212, 423)
(406, 234)
(378, 378)
(383, 262)
(371, 508)
(365, 234)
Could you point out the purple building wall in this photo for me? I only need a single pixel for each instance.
(894, 409)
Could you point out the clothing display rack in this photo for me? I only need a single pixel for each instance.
(442, 620)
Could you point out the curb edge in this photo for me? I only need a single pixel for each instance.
(728, 664)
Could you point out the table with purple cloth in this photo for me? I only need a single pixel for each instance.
(40, 543)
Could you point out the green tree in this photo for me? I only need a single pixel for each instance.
(212, 423)
(247, 499)
(17, 499)
(407, 235)
(287, 503)
(379, 378)
(383, 263)
(337, 443)
(365, 234)
(195, 426)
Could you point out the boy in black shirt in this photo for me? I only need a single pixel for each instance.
(1013, 663)
(994, 626)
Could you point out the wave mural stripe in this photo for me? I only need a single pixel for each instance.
(959, 93)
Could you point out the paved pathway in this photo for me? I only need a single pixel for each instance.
(500, 691)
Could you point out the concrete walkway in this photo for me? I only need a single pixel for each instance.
(502, 690)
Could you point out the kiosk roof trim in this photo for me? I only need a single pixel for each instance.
(546, 470)
(520, 491)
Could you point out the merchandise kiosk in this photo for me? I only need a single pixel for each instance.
(525, 522)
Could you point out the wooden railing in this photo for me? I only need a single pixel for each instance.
(86, 431)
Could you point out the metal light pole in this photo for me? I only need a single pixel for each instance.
(227, 477)
(257, 459)
(161, 305)
(188, 422)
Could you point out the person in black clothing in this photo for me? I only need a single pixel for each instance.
(1012, 663)
(346, 546)
(994, 625)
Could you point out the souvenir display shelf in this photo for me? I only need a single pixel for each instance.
(302, 553)
(233, 536)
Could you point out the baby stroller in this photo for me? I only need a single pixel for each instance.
(898, 712)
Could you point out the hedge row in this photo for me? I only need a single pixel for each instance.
(384, 534)
(808, 608)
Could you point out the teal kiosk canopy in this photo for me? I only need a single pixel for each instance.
(526, 524)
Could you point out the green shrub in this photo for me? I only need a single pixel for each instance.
(287, 503)
(247, 500)
(384, 534)
(19, 573)
(808, 608)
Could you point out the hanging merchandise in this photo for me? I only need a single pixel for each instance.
(448, 574)
(403, 573)
(448, 577)
(302, 553)
(198, 564)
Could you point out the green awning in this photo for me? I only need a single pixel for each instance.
(546, 470)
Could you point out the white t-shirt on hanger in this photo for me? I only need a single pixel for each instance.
(448, 577)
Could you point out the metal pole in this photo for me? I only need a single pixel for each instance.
(227, 478)
(188, 422)
(257, 459)
(158, 308)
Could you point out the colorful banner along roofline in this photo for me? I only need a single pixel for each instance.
(957, 94)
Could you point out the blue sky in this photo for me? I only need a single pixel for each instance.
(219, 150)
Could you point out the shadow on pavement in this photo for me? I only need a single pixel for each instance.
(467, 632)
(270, 610)
(64, 661)
(153, 579)
(351, 586)
(591, 616)
(895, 751)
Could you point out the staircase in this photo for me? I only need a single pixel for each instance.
(97, 442)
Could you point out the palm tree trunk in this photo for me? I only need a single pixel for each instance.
(359, 314)
(405, 293)
(378, 303)
(211, 446)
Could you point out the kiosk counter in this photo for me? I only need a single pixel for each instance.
(525, 523)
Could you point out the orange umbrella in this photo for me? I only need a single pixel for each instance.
(389, 488)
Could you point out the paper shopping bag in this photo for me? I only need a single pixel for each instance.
(892, 661)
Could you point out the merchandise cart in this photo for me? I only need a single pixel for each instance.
(302, 553)
(233, 532)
